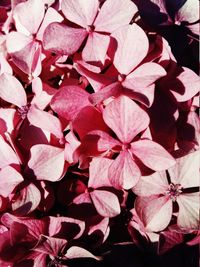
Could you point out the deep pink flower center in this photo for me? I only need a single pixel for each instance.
(174, 190)
(126, 146)
(23, 111)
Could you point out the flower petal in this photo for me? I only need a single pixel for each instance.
(144, 76)
(61, 39)
(152, 155)
(11, 90)
(28, 16)
(98, 171)
(9, 179)
(47, 162)
(132, 47)
(125, 118)
(189, 206)
(27, 200)
(96, 47)
(69, 100)
(154, 184)
(106, 203)
(124, 172)
(155, 212)
(78, 252)
(114, 14)
(7, 155)
(80, 12)
(186, 170)
(45, 121)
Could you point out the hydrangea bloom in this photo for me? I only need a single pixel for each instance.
(99, 133)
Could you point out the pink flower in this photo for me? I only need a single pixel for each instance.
(24, 45)
(96, 27)
(157, 193)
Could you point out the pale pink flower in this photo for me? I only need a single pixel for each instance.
(157, 193)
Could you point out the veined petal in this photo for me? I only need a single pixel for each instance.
(63, 40)
(45, 121)
(11, 90)
(28, 16)
(7, 155)
(186, 170)
(69, 100)
(154, 211)
(114, 14)
(47, 162)
(153, 184)
(106, 203)
(152, 155)
(124, 172)
(98, 171)
(132, 47)
(125, 118)
(80, 12)
(189, 206)
(96, 47)
(9, 179)
(144, 76)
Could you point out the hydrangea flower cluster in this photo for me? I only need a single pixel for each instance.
(99, 130)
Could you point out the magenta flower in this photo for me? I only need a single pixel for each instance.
(156, 195)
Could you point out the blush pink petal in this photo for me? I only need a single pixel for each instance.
(82, 123)
(144, 76)
(61, 39)
(123, 172)
(25, 52)
(106, 203)
(9, 179)
(27, 200)
(154, 211)
(78, 252)
(125, 118)
(114, 14)
(185, 86)
(189, 206)
(7, 155)
(98, 171)
(80, 12)
(45, 121)
(47, 162)
(28, 16)
(152, 155)
(11, 90)
(51, 15)
(154, 184)
(4, 65)
(69, 100)
(186, 170)
(132, 47)
(96, 47)
(111, 90)
(71, 145)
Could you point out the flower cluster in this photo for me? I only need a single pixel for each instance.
(99, 132)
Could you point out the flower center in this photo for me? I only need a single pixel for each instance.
(126, 146)
(174, 190)
(90, 28)
(121, 77)
(23, 111)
